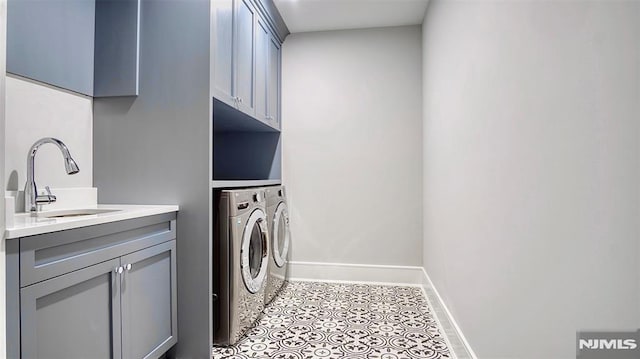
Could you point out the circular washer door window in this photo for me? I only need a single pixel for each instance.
(254, 253)
(281, 234)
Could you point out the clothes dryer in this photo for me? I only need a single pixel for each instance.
(240, 262)
(278, 222)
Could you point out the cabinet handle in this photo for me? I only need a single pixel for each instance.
(128, 267)
(118, 270)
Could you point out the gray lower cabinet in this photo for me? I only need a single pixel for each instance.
(101, 292)
(148, 300)
(76, 315)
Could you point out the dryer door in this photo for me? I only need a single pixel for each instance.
(281, 234)
(255, 241)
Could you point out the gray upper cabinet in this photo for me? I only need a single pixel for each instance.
(245, 56)
(76, 315)
(233, 53)
(245, 60)
(117, 46)
(149, 307)
(86, 46)
(274, 78)
(222, 51)
(53, 42)
(262, 68)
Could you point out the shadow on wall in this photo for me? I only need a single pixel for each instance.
(117, 105)
(12, 182)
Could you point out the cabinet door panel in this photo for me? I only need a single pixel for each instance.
(262, 67)
(245, 55)
(274, 82)
(76, 315)
(52, 42)
(149, 310)
(222, 51)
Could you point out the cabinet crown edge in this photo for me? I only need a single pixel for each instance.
(269, 12)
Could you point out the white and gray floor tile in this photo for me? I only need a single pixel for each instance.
(336, 320)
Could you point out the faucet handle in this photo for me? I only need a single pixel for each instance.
(51, 197)
(47, 198)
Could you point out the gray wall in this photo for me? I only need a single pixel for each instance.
(155, 149)
(3, 47)
(531, 170)
(352, 145)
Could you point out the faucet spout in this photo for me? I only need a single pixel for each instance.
(31, 197)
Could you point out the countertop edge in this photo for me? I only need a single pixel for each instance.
(125, 212)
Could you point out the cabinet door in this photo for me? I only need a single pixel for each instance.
(76, 315)
(116, 66)
(52, 42)
(149, 310)
(222, 72)
(274, 82)
(262, 68)
(245, 56)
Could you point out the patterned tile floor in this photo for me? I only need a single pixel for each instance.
(334, 320)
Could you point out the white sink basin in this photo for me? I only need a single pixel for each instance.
(74, 213)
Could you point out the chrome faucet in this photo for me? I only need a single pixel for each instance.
(31, 197)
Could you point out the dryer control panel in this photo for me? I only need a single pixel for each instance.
(241, 201)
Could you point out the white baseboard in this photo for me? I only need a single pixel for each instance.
(377, 274)
(427, 283)
(355, 273)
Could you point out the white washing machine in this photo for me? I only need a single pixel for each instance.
(240, 260)
(278, 220)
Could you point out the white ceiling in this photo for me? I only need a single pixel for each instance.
(321, 15)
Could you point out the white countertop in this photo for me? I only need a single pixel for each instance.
(26, 225)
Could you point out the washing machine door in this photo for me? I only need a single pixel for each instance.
(254, 256)
(281, 235)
